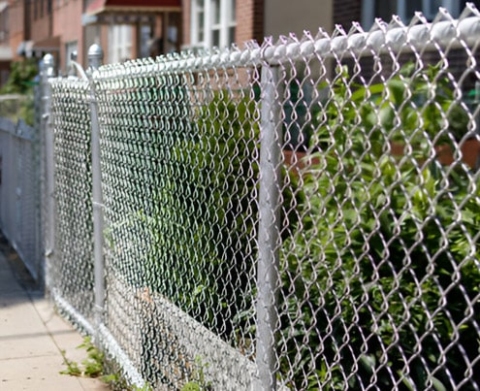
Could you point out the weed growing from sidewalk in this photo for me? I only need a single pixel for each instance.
(91, 367)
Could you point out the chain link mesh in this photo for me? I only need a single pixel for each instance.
(375, 277)
(19, 192)
(72, 271)
(379, 264)
(179, 174)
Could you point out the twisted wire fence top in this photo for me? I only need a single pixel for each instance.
(378, 272)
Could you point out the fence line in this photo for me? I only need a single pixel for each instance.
(19, 192)
(294, 215)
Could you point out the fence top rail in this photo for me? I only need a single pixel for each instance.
(394, 37)
(70, 83)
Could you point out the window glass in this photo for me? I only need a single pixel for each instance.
(231, 35)
(216, 11)
(232, 17)
(216, 38)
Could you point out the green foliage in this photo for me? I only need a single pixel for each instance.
(20, 81)
(199, 383)
(191, 386)
(204, 223)
(73, 369)
(381, 276)
(27, 111)
(21, 77)
(91, 367)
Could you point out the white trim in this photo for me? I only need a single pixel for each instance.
(223, 27)
(207, 36)
(119, 43)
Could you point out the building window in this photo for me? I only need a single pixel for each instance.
(145, 41)
(406, 9)
(213, 23)
(120, 43)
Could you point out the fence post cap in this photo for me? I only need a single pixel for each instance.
(48, 60)
(95, 52)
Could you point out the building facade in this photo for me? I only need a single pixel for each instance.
(126, 29)
(219, 23)
(6, 54)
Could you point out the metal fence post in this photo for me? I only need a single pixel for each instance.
(268, 277)
(95, 57)
(47, 74)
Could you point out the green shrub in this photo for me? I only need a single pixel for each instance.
(381, 278)
(20, 80)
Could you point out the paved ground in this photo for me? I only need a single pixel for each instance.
(32, 338)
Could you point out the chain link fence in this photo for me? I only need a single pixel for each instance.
(72, 268)
(20, 191)
(298, 215)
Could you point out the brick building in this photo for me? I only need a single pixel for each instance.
(126, 29)
(6, 54)
(130, 29)
(209, 23)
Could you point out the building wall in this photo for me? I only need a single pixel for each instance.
(249, 18)
(41, 21)
(68, 26)
(285, 16)
(16, 25)
(186, 22)
(249, 15)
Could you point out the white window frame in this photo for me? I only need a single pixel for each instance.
(368, 10)
(119, 43)
(224, 26)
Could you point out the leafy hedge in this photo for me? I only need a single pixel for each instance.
(204, 224)
(381, 279)
(20, 81)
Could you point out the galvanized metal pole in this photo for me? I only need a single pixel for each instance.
(268, 276)
(47, 119)
(95, 57)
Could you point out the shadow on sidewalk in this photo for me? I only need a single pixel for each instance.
(20, 273)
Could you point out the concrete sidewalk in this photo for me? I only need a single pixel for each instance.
(32, 338)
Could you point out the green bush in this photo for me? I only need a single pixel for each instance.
(202, 228)
(381, 277)
(20, 83)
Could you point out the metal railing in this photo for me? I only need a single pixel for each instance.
(294, 215)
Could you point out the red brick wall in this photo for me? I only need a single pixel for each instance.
(70, 31)
(41, 28)
(17, 25)
(186, 10)
(249, 21)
